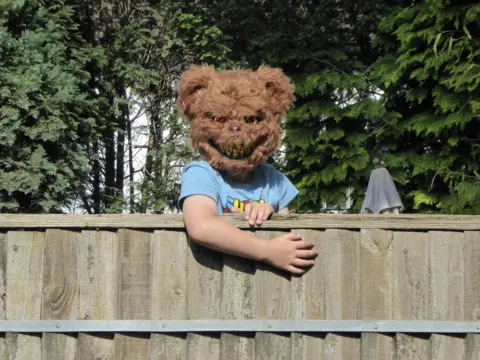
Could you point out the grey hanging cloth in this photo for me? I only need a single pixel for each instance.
(382, 196)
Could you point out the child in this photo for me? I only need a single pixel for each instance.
(235, 124)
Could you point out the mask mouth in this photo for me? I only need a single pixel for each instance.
(234, 151)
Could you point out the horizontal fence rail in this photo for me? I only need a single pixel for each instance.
(390, 287)
(278, 221)
(239, 326)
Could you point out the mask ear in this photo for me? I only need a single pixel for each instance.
(192, 83)
(279, 87)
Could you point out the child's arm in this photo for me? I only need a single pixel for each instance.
(288, 252)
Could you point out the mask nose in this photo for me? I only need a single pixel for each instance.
(234, 128)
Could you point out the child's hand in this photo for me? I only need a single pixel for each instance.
(289, 252)
(256, 213)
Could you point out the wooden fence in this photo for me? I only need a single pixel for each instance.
(142, 267)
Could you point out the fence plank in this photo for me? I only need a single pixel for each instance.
(378, 347)
(445, 347)
(472, 347)
(446, 250)
(410, 292)
(412, 347)
(60, 291)
(131, 346)
(237, 302)
(168, 347)
(204, 294)
(169, 292)
(376, 265)
(203, 346)
(270, 346)
(58, 347)
(471, 272)
(342, 347)
(308, 298)
(273, 296)
(97, 263)
(308, 346)
(133, 299)
(95, 347)
(3, 274)
(237, 346)
(24, 289)
(23, 346)
(342, 290)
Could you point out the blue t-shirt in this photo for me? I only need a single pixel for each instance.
(268, 186)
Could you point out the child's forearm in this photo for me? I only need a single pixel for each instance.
(218, 234)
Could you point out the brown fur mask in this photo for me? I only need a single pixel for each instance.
(235, 114)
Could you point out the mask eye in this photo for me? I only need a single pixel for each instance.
(253, 119)
(219, 119)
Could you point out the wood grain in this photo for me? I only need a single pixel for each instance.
(133, 291)
(471, 255)
(472, 351)
(273, 296)
(271, 346)
(59, 347)
(24, 289)
(203, 346)
(342, 275)
(411, 291)
(169, 292)
(60, 275)
(95, 347)
(97, 264)
(308, 299)
(23, 346)
(237, 346)
(168, 347)
(446, 254)
(308, 346)
(412, 347)
(376, 268)
(411, 274)
(3, 274)
(131, 346)
(378, 346)
(60, 291)
(237, 302)
(204, 294)
(278, 221)
(342, 290)
(447, 347)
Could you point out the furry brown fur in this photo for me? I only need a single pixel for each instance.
(235, 114)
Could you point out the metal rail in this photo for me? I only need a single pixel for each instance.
(181, 326)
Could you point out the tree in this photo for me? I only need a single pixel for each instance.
(44, 115)
(430, 75)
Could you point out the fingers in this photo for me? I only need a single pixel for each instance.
(248, 211)
(305, 254)
(303, 263)
(293, 236)
(235, 210)
(303, 244)
(295, 270)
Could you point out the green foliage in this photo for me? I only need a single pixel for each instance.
(43, 113)
(431, 76)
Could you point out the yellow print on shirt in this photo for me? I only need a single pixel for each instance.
(238, 204)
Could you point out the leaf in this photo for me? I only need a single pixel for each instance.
(450, 43)
(465, 30)
(437, 41)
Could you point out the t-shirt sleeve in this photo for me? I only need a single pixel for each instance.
(286, 192)
(197, 180)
